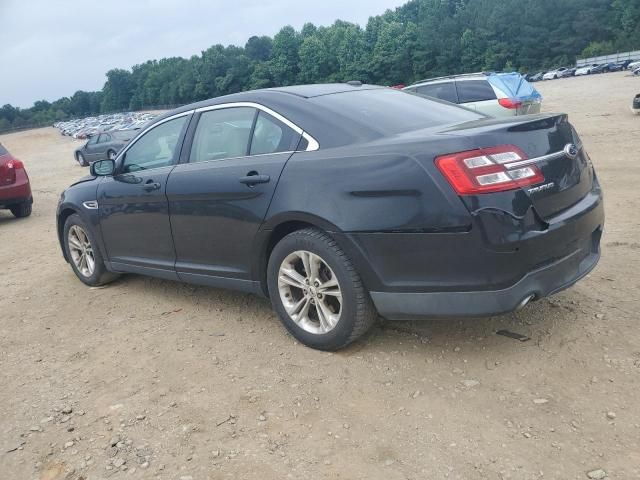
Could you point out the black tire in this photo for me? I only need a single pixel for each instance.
(21, 210)
(81, 160)
(101, 275)
(358, 313)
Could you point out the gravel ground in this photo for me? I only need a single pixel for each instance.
(152, 379)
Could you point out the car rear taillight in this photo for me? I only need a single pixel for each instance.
(509, 103)
(488, 170)
(15, 164)
(8, 171)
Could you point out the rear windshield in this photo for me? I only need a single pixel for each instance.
(392, 111)
(3, 151)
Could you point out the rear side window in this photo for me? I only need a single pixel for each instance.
(272, 136)
(444, 91)
(474, 91)
(222, 133)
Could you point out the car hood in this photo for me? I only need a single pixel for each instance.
(87, 178)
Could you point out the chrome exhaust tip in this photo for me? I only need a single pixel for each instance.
(524, 301)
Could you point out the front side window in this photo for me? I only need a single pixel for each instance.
(272, 136)
(444, 91)
(222, 133)
(156, 148)
(475, 91)
(93, 140)
(103, 138)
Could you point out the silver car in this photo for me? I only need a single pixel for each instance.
(494, 94)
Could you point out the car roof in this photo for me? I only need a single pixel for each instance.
(462, 76)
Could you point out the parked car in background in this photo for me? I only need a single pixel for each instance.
(586, 69)
(103, 145)
(83, 128)
(633, 65)
(495, 94)
(15, 188)
(635, 105)
(555, 74)
(537, 77)
(434, 210)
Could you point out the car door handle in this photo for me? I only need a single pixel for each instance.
(150, 186)
(253, 178)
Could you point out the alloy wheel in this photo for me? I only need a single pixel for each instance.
(81, 251)
(310, 292)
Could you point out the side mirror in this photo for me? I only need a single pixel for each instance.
(103, 168)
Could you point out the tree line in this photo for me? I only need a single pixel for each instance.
(420, 39)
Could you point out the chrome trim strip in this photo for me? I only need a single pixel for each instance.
(543, 158)
(90, 205)
(313, 143)
(529, 161)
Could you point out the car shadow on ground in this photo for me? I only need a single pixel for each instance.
(556, 317)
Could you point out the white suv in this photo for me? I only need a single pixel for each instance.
(494, 94)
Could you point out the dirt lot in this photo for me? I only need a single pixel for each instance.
(154, 379)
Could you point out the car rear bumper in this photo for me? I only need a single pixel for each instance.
(541, 283)
(476, 273)
(16, 193)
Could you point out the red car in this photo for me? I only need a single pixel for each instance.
(15, 190)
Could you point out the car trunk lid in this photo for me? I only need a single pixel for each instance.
(549, 143)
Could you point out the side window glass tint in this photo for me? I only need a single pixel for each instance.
(475, 91)
(444, 91)
(271, 136)
(222, 134)
(156, 148)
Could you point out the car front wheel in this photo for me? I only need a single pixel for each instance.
(317, 292)
(81, 160)
(83, 253)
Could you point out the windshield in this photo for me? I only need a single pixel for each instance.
(392, 111)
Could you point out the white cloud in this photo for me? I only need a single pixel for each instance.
(52, 49)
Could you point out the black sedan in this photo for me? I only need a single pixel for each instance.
(341, 202)
(102, 146)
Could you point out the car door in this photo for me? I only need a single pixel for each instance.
(90, 149)
(133, 208)
(101, 146)
(220, 192)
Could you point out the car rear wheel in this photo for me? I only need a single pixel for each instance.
(81, 160)
(21, 210)
(317, 292)
(83, 253)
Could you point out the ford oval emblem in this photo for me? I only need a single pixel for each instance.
(571, 151)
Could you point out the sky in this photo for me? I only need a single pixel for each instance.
(52, 48)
